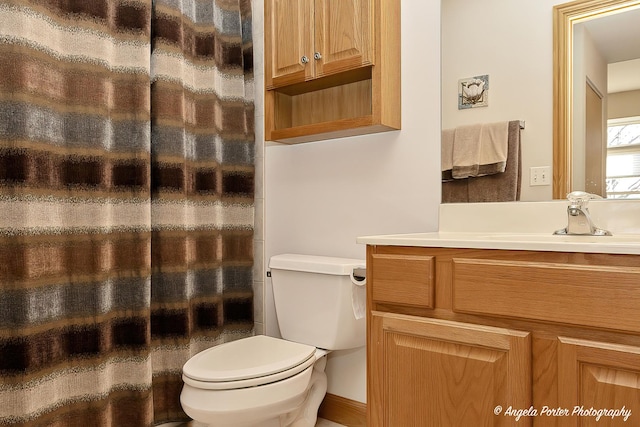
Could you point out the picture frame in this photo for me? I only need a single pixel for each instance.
(473, 92)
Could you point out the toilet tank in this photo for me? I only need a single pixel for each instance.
(313, 299)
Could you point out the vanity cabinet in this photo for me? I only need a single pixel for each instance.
(475, 337)
(332, 68)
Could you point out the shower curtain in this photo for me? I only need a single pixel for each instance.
(126, 203)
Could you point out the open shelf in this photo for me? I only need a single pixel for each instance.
(355, 98)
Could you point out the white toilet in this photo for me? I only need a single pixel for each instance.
(272, 382)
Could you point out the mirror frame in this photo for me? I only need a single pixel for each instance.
(564, 17)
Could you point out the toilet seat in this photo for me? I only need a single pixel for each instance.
(247, 362)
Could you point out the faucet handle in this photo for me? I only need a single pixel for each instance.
(581, 198)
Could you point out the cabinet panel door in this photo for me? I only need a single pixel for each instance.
(343, 35)
(600, 376)
(288, 36)
(406, 279)
(434, 373)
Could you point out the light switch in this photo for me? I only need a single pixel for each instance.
(540, 175)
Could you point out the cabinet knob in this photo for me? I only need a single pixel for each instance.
(317, 55)
(304, 59)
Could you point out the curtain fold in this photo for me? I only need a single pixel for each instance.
(126, 203)
(202, 157)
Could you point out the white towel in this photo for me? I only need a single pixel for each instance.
(494, 143)
(446, 154)
(480, 150)
(466, 151)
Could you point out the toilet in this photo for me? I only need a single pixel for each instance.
(280, 382)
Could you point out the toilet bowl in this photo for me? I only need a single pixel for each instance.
(264, 380)
(279, 382)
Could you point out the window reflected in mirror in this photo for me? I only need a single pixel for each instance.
(623, 158)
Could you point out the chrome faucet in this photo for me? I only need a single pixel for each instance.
(579, 219)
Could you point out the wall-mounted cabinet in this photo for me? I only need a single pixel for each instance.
(308, 39)
(332, 68)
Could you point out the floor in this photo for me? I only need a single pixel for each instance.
(321, 423)
(326, 423)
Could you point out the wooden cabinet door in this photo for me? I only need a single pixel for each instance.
(343, 35)
(435, 373)
(288, 37)
(340, 32)
(601, 376)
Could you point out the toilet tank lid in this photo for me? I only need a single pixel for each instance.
(315, 264)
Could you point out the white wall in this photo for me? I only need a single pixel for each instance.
(320, 196)
(512, 42)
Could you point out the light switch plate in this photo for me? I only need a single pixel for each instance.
(540, 175)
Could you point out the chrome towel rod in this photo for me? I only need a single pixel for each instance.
(521, 124)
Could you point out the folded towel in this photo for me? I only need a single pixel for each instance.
(494, 139)
(456, 191)
(466, 151)
(447, 154)
(501, 187)
(479, 150)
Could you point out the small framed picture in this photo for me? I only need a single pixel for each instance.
(473, 92)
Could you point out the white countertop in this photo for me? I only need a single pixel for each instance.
(617, 244)
(525, 226)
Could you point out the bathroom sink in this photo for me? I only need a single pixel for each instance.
(625, 239)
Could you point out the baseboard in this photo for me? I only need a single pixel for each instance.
(343, 411)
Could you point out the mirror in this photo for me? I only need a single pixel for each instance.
(575, 83)
(523, 59)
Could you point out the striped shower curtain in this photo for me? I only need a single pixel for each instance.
(202, 168)
(126, 203)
